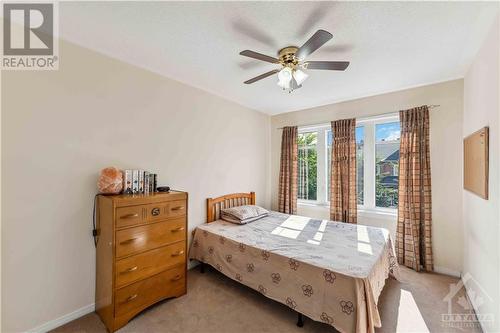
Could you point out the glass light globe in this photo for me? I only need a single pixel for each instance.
(299, 76)
(283, 85)
(285, 75)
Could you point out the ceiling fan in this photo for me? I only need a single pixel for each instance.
(291, 59)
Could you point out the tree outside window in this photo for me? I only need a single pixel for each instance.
(308, 166)
(387, 138)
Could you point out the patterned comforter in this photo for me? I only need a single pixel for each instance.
(329, 271)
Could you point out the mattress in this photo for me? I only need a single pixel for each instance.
(329, 271)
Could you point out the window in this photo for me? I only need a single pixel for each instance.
(360, 146)
(329, 140)
(314, 164)
(377, 163)
(308, 166)
(387, 137)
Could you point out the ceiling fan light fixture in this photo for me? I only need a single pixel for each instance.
(299, 76)
(292, 61)
(284, 85)
(285, 77)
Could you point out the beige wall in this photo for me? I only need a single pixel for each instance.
(59, 128)
(446, 158)
(482, 217)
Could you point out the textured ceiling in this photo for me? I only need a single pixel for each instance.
(391, 45)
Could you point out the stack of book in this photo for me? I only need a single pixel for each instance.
(139, 182)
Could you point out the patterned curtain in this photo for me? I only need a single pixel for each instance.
(343, 204)
(413, 235)
(288, 171)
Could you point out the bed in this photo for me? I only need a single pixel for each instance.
(329, 271)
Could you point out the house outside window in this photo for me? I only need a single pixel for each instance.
(387, 137)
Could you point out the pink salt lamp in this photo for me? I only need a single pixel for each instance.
(110, 181)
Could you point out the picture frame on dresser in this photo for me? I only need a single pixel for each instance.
(141, 253)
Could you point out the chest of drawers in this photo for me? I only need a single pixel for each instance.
(141, 253)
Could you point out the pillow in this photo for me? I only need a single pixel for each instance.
(243, 214)
(232, 219)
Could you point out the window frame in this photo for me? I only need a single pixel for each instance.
(322, 157)
(369, 164)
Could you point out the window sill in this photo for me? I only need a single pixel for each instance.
(311, 203)
(367, 212)
(378, 212)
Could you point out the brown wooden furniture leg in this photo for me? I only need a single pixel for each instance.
(300, 320)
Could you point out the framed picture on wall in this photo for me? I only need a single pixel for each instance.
(476, 160)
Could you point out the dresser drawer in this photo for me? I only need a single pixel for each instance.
(126, 216)
(165, 210)
(142, 238)
(132, 215)
(149, 263)
(143, 293)
(157, 211)
(177, 208)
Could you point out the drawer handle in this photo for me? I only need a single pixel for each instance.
(177, 229)
(128, 241)
(129, 270)
(129, 216)
(130, 298)
(178, 208)
(178, 253)
(155, 211)
(176, 278)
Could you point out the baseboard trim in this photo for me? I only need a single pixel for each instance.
(447, 271)
(467, 293)
(52, 324)
(55, 323)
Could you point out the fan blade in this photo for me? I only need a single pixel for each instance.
(259, 56)
(261, 76)
(317, 40)
(328, 65)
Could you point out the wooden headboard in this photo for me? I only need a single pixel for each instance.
(214, 205)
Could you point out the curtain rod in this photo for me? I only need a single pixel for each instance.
(363, 118)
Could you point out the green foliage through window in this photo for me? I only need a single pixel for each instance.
(308, 166)
(387, 136)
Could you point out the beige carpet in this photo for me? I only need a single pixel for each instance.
(215, 303)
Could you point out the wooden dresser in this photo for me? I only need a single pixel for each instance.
(141, 253)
